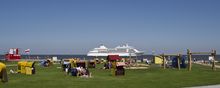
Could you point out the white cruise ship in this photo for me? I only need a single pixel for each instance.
(123, 50)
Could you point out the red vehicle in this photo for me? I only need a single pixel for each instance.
(13, 55)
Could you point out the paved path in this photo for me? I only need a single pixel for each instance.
(11, 65)
(209, 86)
(210, 65)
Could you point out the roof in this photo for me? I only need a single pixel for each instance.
(120, 64)
(113, 57)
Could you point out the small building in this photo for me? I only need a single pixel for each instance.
(13, 55)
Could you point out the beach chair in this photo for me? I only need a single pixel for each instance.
(3, 73)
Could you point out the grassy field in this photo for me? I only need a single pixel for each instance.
(154, 77)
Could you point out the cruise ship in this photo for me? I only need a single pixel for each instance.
(124, 50)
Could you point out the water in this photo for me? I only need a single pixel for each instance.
(69, 56)
(198, 57)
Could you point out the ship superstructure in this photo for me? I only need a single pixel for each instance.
(124, 50)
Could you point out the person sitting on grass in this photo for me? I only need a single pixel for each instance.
(67, 69)
(79, 70)
(83, 72)
(12, 71)
(86, 73)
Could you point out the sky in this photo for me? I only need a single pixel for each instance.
(78, 26)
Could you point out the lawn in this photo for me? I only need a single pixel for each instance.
(154, 77)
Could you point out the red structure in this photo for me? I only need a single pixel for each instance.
(13, 54)
(113, 57)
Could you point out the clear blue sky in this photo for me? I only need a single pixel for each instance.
(77, 26)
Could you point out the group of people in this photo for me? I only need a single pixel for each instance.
(83, 72)
(46, 63)
(107, 65)
(76, 71)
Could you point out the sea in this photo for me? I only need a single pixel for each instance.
(85, 57)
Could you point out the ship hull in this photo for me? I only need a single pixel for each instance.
(120, 54)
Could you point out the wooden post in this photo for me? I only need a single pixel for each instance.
(113, 68)
(189, 59)
(213, 61)
(164, 66)
(178, 61)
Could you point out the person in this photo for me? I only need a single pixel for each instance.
(166, 63)
(105, 66)
(61, 60)
(210, 59)
(67, 70)
(109, 65)
(194, 60)
(83, 71)
(147, 61)
(67, 67)
(86, 73)
(12, 71)
(79, 71)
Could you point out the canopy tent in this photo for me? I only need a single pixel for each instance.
(113, 57)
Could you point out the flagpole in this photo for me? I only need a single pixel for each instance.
(27, 51)
(29, 55)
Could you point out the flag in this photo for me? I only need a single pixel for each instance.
(27, 51)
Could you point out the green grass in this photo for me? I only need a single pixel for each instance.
(154, 77)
